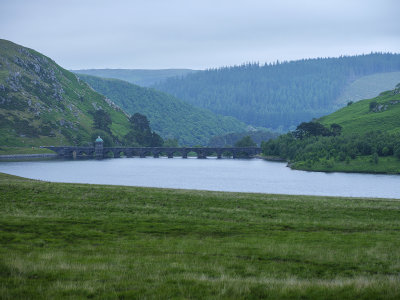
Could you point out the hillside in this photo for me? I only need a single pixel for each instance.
(279, 95)
(44, 104)
(379, 113)
(368, 87)
(140, 77)
(362, 137)
(168, 116)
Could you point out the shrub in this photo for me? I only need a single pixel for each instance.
(385, 151)
(342, 156)
(373, 105)
(245, 142)
(396, 150)
(374, 158)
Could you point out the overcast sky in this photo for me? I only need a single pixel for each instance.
(153, 34)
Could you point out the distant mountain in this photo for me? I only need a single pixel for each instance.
(379, 113)
(169, 116)
(140, 77)
(44, 104)
(279, 95)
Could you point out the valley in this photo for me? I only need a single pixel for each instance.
(200, 150)
(168, 116)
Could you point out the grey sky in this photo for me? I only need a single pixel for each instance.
(152, 34)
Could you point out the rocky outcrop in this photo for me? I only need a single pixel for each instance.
(39, 98)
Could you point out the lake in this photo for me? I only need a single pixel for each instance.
(233, 175)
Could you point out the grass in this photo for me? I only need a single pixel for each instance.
(4, 150)
(96, 241)
(358, 118)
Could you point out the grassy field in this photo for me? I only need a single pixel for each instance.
(95, 241)
(358, 117)
(23, 150)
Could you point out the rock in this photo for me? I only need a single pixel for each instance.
(36, 68)
(380, 108)
(96, 107)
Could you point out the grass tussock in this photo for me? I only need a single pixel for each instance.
(92, 241)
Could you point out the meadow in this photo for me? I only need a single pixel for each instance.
(77, 241)
(4, 150)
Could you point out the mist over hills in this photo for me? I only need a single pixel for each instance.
(42, 103)
(140, 77)
(278, 95)
(169, 116)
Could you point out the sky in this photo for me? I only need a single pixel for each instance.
(198, 34)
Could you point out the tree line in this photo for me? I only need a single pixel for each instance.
(312, 142)
(170, 117)
(278, 95)
(140, 133)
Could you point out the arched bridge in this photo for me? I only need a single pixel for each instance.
(101, 152)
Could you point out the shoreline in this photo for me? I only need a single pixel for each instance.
(27, 156)
(293, 166)
(195, 190)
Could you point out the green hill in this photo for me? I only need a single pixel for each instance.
(362, 137)
(137, 76)
(44, 104)
(379, 113)
(278, 95)
(168, 116)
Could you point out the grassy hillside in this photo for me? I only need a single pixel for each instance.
(44, 104)
(365, 116)
(140, 77)
(168, 116)
(368, 87)
(279, 95)
(105, 242)
(369, 140)
(23, 150)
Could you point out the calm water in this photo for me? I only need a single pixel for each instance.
(253, 175)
